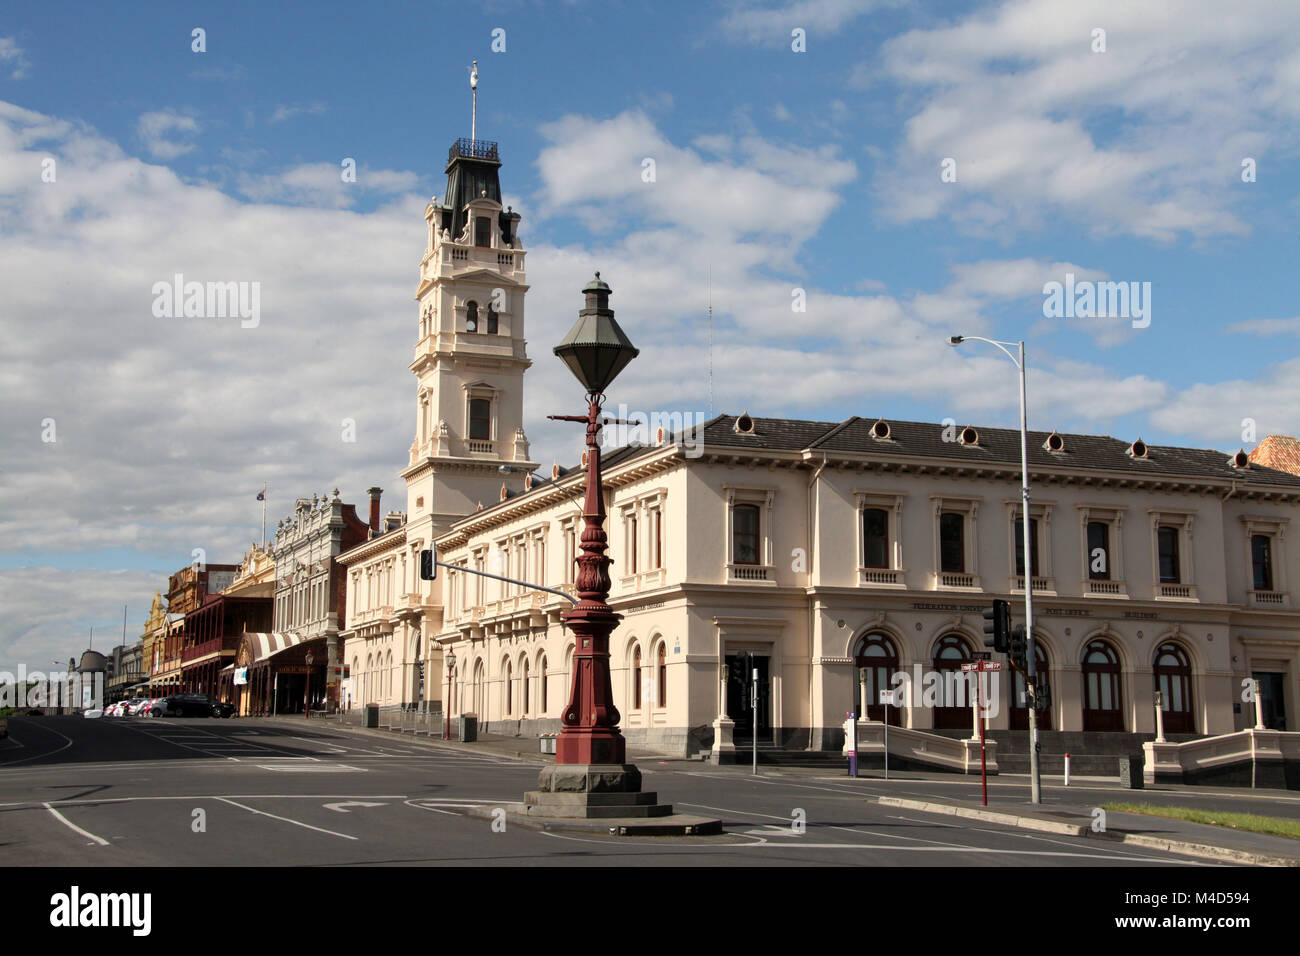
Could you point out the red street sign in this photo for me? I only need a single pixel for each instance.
(982, 666)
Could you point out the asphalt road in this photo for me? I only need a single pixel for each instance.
(168, 792)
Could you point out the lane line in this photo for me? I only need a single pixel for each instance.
(297, 823)
(72, 826)
(48, 753)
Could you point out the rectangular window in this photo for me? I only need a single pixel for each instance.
(1168, 547)
(658, 532)
(1098, 551)
(1033, 547)
(631, 544)
(480, 419)
(875, 538)
(1261, 558)
(952, 543)
(482, 231)
(745, 535)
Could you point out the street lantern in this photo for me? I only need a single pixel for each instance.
(596, 349)
(450, 664)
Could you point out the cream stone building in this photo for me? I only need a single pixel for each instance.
(829, 556)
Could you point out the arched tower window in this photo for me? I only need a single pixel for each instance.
(471, 316)
(492, 324)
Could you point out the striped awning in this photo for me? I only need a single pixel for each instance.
(264, 645)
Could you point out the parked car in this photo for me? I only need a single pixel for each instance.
(221, 709)
(92, 712)
(154, 707)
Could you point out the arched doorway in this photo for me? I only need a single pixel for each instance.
(876, 660)
(954, 710)
(1173, 670)
(1102, 693)
(1019, 707)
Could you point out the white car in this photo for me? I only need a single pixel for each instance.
(92, 712)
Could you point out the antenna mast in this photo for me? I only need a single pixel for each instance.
(710, 305)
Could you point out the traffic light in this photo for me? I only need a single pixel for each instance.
(997, 626)
(428, 564)
(1019, 648)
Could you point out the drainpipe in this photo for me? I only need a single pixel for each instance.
(812, 614)
(1232, 491)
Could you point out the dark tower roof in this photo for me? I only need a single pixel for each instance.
(472, 166)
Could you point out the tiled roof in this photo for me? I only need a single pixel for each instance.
(995, 446)
(1278, 451)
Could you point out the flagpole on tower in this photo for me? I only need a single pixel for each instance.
(473, 85)
(263, 497)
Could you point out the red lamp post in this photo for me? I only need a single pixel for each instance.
(595, 350)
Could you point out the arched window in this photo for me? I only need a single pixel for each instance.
(541, 687)
(1019, 700)
(636, 678)
(1173, 670)
(509, 689)
(523, 687)
(661, 677)
(1102, 701)
(471, 316)
(953, 711)
(492, 324)
(388, 675)
(877, 661)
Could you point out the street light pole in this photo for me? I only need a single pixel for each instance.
(1031, 655)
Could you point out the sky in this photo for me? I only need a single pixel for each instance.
(849, 182)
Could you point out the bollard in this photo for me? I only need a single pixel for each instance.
(1067, 770)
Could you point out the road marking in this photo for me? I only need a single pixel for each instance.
(297, 823)
(315, 768)
(72, 826)
(342, 807)
(50, 753)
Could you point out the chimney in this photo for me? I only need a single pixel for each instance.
(374, 494)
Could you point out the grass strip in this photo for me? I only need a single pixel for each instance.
(1274, 826)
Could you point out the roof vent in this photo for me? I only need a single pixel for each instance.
(1054, 443)
(659, 435)
(1239, 460)
(880, 430)
(969, 436)
(744, 424)
(584, 459)
(1138, 449)
(504, 493)
(555, 470)
(528, 482)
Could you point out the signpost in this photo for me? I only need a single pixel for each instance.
(978, 667)
(888, 698)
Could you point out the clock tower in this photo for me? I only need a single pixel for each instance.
(470, 351)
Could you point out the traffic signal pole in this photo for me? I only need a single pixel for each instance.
(1035, 783)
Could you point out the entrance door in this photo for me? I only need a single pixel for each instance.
(739, 694)
(1019, 709)
(954, 711)
(1274, 704)
(1102, 694)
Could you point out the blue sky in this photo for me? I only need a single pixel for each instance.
(817, 170)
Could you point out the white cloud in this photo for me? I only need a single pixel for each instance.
(1144, 139)
(322, 184)
(12, 56)
(1266, 327)
(158, 128)
(284, 112)
(771, 25)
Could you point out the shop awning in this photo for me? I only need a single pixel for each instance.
(263, 645)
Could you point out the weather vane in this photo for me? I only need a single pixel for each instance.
(473, 85)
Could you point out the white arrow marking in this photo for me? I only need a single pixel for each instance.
(339, 807)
